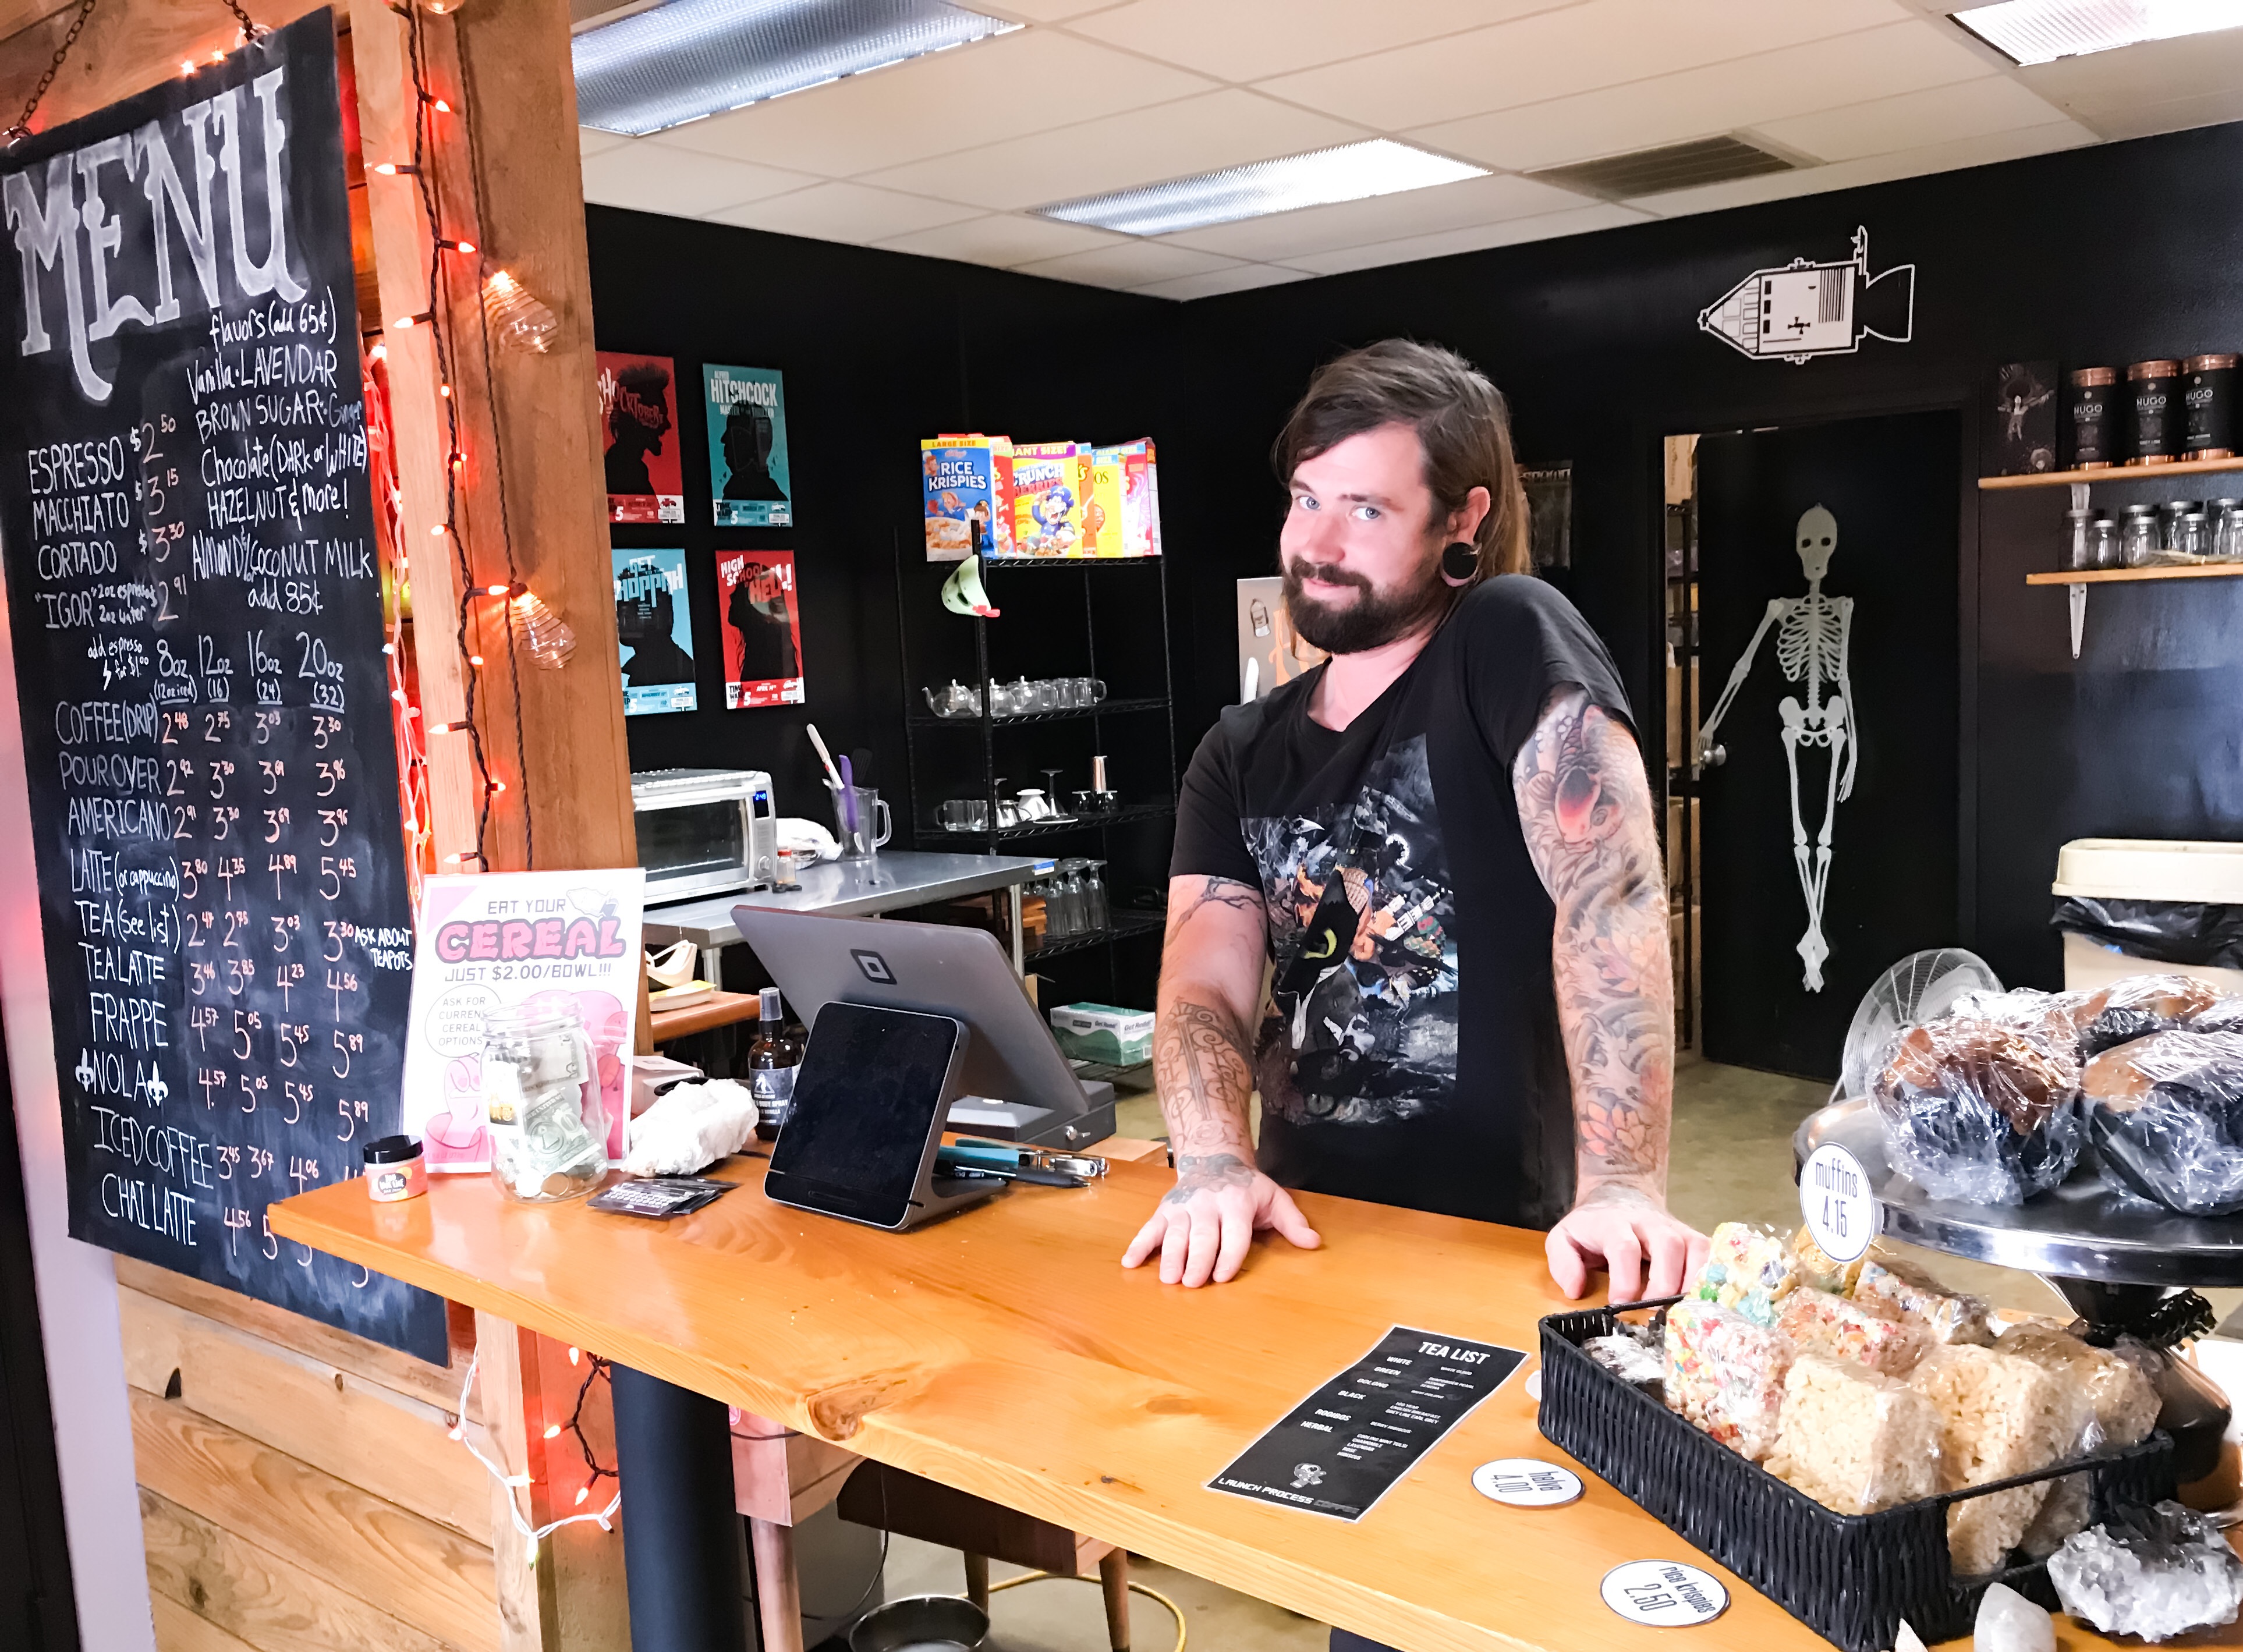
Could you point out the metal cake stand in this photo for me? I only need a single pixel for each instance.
(2111, 1258)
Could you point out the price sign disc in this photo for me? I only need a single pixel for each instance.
(1665, 1595)
(1527, 1482)
(1834, 1197)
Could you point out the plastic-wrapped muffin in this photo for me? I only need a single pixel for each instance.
(2055, 1020)
(2141, 1005)
(1980, 1112)
(2166, 1114)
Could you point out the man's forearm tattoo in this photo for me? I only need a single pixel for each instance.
(1202, 1064)
(1585, 806)
(1197, 1170)
(1215, 891)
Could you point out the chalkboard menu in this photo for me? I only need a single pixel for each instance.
(195, 600)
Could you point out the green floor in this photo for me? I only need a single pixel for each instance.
(1731, 1161)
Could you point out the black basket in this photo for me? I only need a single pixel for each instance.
(1851, 1578)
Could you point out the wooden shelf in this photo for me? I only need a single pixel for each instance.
(718, 1009)
(2127, 576)
(2111, 472)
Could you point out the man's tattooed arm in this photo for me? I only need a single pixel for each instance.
(1202, 1054)
(1585, 804)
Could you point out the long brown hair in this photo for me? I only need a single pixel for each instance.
(1463, 426)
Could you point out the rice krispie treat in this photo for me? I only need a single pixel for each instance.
(1999, 1415)
(1916, 1295)
(1817, 1267)
(2123, 1400)
(1854, 1440)
(1725, 1374)
(1748, 1268)
(1865, 1332)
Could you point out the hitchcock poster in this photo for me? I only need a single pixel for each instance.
(638, 421)
(746, 410)
(561, 941)
(763, 629)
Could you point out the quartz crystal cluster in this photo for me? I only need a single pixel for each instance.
(2156, 1575)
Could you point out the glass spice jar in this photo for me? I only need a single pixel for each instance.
(2104, 539)
(2094, 434)
(548, 1129)
(2138, 536)
(2207, 393)
(2153, 398)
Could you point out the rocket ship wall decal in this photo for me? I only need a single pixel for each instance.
(1803, 310)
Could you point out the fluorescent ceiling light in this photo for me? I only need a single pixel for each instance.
(1350, 172)
(2043, 31)
(684, 59)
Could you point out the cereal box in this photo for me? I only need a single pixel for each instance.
(966, 481)
(1051, 492)
(1141, 499)
(1103, 528)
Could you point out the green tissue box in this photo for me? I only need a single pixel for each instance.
(1102, 1033)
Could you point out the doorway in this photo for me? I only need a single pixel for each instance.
(1817, 571)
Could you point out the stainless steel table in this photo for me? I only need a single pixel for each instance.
(847, 889)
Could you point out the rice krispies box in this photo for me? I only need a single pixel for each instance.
(965, 480)
(1051, 492)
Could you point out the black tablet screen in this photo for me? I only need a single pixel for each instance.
(870, 1085)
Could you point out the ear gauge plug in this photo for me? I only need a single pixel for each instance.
(1460, 562)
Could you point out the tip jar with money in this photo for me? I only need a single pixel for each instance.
(549, 1130)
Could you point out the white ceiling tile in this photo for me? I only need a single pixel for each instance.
(1384, 218)
(1243, 40)
(2107, 88)
(1239, 279)
(1039, 10)
(648, 176)
(1132, 263)
(1720, 98)
(846, 212)
(1913, 120)
(1144, 146)
(1873, 169)
(1578, 220)
(2145, 120)
(1003, 239)
(1603, 42)
(590, 140)
(1007, 87)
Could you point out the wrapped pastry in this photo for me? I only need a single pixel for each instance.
(1979, 1113)
(1854, 1440)
(2123, 1400)
(1915, 1295)
(2166, 1115)
(2054, 1021)
(1725, 1374)
(1817, 1267)
(1865, 1332)
(1999, 1416)
(2141, 1005)
(1748, 1267)
(1630, 1361)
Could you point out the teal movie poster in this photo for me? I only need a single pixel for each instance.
(654, 623)
(747, 447)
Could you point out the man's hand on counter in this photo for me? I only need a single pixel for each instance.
(1208, 1221)
(1647, 1252)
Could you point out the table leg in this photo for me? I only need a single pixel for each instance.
(1019, 958)
(977, 1579)
(680, 1531)
(1114, 1578)
(778, 1587)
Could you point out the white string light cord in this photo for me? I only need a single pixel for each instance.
(535, 1534)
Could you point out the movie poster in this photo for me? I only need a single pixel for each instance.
(638, 422)
(654, 623)
(763, 629)
(746, 407)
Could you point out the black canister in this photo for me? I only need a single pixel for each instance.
(2154, 396)
(2207, 393)
(2094, 437)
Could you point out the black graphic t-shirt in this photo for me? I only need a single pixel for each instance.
(1419, 1065)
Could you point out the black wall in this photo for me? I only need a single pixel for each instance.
(2104, 255)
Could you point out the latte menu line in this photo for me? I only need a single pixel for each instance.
(196, 602)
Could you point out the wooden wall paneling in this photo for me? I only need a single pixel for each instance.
(239, 1589)
(423, 1574)
(178, 1629)
(398, 1448)
(369, 1361)
(127, 46)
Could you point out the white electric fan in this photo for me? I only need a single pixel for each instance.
(1921, 988)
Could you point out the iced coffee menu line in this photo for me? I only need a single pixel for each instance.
(196, 599)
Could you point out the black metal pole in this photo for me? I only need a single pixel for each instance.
(681, 1529)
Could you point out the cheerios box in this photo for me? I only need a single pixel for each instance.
(1102, 1033)
(967, 480)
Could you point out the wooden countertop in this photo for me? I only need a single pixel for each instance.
(718, 1009)
(1004, 1351)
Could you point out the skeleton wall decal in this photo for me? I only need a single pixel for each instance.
(1812, 636)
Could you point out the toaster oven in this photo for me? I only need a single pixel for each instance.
(704, 831)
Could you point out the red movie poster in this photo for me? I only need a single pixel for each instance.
(763, 629)
(638, 422)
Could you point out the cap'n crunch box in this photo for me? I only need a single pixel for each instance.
(967, 479)
(1051, 492)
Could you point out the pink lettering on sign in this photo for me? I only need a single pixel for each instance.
(519, 938)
